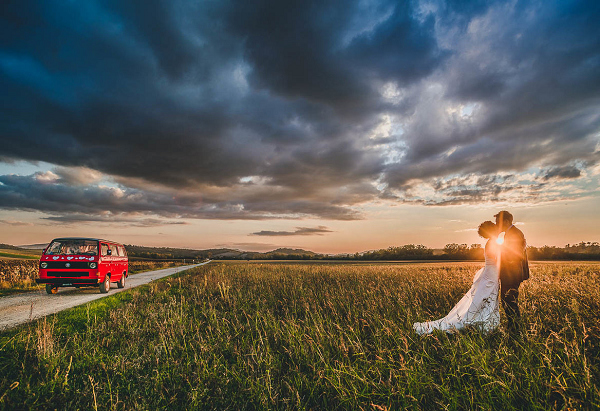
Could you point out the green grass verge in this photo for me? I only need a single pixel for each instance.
(19, 256)
(252, 336)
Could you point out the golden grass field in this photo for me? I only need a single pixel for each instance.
(256, 335)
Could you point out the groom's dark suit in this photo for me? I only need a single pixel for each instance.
(514, 268)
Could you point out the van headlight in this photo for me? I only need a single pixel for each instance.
(93, 265)
(43, 265)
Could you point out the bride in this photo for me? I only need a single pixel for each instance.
(479, 306)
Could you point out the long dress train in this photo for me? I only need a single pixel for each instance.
(479, 307)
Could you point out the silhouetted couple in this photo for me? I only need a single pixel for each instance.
(506, 266)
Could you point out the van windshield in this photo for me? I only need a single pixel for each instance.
(73, 247)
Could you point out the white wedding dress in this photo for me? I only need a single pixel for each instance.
(478, 308)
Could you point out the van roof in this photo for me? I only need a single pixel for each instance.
(85, 238)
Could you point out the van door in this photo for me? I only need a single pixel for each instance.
(119, 260)
(125, 260)
(115, 267)
(104, 261)
(122, 259)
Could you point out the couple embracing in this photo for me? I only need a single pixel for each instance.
(506, 266)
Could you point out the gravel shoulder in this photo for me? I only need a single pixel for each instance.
(20, 308)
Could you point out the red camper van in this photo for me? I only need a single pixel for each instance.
(79, 262)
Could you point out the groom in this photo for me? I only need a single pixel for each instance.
(514, 267)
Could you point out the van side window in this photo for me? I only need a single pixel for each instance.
(104, 248)
(122, 251)
(113, 250)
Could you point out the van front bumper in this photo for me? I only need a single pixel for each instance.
(68, 281)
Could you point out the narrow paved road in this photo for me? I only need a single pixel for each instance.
(20, 308)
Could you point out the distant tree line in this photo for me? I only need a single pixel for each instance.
(581, 251)
(420, 252)
(405, 252)
(270, 256)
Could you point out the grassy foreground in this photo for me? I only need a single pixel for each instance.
(311, 336)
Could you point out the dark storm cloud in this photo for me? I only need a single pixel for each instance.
(265, 109)
(324, 51)
(320, 230)
(532, 76)
(478, 189)
(48, 193)
(111, 219)
(562, 172)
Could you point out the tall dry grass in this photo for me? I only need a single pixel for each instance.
(18, 273)
(313, 336)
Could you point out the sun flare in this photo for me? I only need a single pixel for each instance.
(500, 239)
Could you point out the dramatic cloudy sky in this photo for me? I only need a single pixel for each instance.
(329, 125)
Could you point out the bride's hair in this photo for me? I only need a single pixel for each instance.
(487, 229)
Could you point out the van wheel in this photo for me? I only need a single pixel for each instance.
(51, 289)
(105, 285)
(121, 282)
